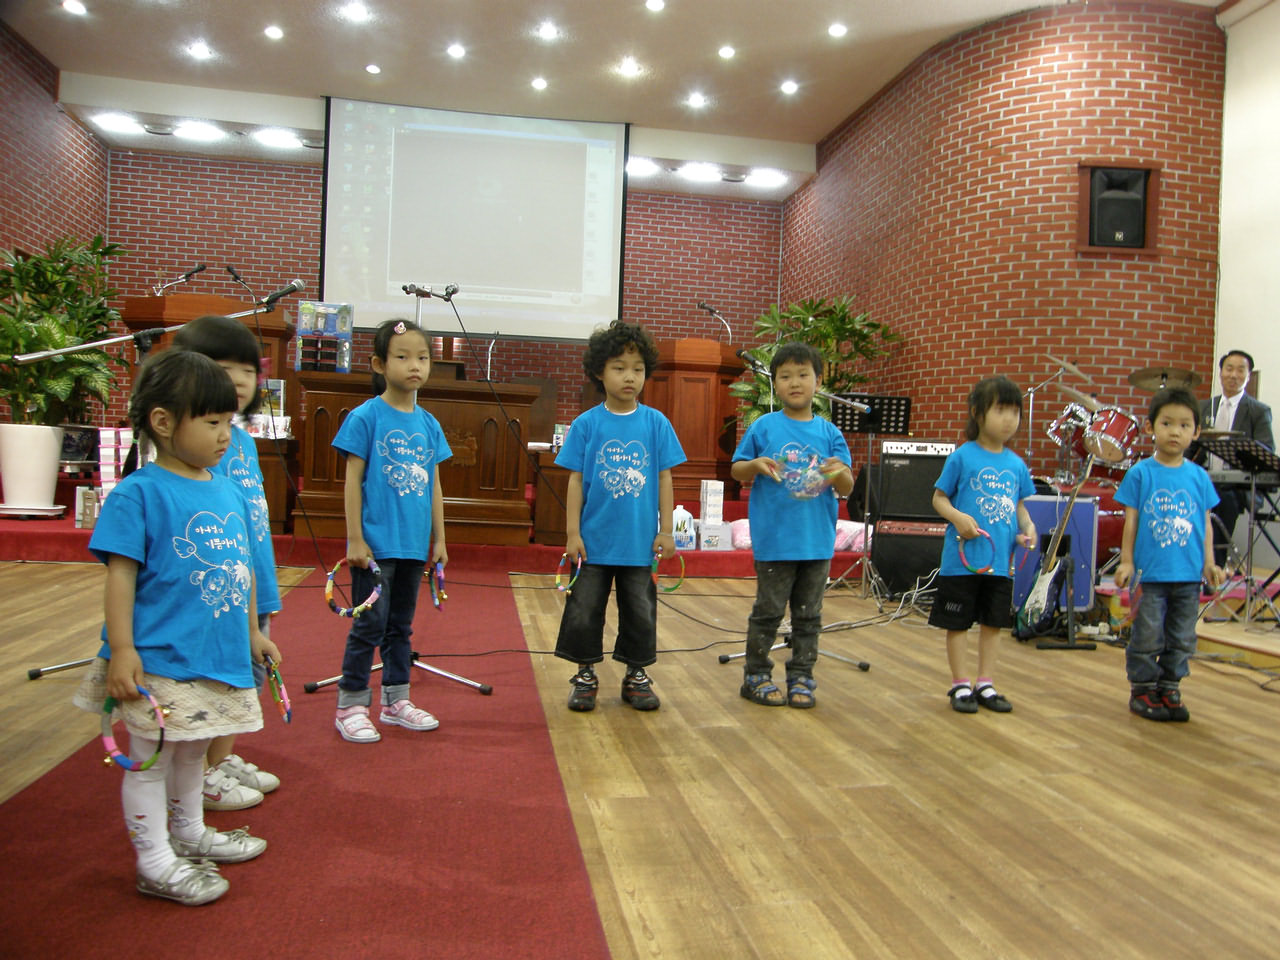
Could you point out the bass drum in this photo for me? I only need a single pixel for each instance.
(1110, 513)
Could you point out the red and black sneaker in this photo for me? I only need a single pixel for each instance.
(637, 691)
(585, 686)
(1148, 704)
(1171, 697)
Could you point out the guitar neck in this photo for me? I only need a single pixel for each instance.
(1051, 554)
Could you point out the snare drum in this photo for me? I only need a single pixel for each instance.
(1112, 436)
(1068, 430)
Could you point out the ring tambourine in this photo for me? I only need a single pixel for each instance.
(657, 557)
(974, 568)
(435, 577)
(109, 739)
(365, 604)
(577, 572)
(278, 692)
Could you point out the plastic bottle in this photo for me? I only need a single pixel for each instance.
(682, 529)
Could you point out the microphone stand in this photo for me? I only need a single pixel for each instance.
(1031, 408)
(716, 313)
(160, 288)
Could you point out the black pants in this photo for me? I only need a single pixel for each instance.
(581, 636)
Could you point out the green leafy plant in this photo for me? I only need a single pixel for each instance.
(841, 334)
(49, 301)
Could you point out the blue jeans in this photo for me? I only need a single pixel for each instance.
(779, 582)
(581, 636)
(386, 626)
(1164, 634)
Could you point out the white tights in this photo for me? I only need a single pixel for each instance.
(169, 796)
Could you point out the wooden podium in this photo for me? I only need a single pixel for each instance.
(274, 332)
(483, 482)
(691, 386)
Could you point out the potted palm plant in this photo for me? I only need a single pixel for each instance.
(839, 332)
(48, 301)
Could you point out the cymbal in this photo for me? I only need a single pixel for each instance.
(1089, 403)
(1156, 378)
(1211, 434)
(1068, 366)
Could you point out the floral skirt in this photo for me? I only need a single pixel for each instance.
(198, 709)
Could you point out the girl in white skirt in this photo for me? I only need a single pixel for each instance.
(180, 623)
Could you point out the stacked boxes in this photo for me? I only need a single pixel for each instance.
(324, 336)
(713, 532)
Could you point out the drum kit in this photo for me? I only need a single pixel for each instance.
(1087, 426)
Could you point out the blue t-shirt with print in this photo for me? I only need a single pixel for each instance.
(620, 457)
(1168, 546)
(400, 451)
(240, 463)
(794, 519)
(194, 551)
(987, 486)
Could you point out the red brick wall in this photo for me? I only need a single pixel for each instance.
(948, 207)
(53, 173)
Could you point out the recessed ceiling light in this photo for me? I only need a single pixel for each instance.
(696, 100)
(629, 67)
(538, 83)
(159, 129)
(373, 68)
(199, 130)
(457, 51)
(641, 167)
(274, 32)
(355, 12)
(118, 123)
(789, 87)
(837, 30)
(200, 50)
(74, 6)
(655, 5)
(275, 137)
(727, 52)
(547, 30)
(766, 177)
(700, 172)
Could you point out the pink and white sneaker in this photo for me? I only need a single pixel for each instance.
(405, 714)
(353, 723)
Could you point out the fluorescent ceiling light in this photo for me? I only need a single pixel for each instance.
(726, 52)
(74, 6)
(765, 177)
(655, 5)
(457, 51)
(837, 30)
(696, 100)
(699, 172)
(274, 32)
(373, 68)
(789, 87)
(275, 137)
(200, 50)
(548, 30)
(118, 123)
(539, 83)
(355, 12)
(198, 130)
(629, 67)
(641, 167)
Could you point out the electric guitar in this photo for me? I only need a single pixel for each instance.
(1036, 616)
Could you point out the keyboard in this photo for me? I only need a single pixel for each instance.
(1242, 478)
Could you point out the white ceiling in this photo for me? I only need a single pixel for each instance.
(130, 55)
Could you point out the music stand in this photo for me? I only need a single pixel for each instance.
(1248, 456)
(887, 415)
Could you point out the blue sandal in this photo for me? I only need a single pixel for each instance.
(800, 693)
(760, 688)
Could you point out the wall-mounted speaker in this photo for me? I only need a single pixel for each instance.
(1117, 207)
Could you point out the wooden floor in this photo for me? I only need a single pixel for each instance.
(880, 824)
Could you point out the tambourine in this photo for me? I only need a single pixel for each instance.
(364, 605)
(435, 577)
(577, 572)
(657, 557)
(109, 739)
(963, 559)
(278, 692)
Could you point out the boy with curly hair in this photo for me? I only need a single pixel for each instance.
(617, 516)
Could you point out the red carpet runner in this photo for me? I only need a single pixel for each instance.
(456, 843)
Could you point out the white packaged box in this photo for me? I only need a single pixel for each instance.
(714, 536)
(711, 501)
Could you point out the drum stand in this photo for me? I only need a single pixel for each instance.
(418, 662)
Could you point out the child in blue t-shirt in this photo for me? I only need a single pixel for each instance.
(1168, 540)
(231, 783)
(980, 493)
(804, 461)
(395, 515)
(617, 516)
(175, 536)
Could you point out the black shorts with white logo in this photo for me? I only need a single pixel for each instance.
(973, 598)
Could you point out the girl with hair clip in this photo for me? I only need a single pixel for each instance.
(231, 783)
(175, 536)
(395, 515)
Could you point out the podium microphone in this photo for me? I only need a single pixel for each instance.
(294, 286)
(703, 305)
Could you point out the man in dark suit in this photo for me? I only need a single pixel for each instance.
(1234, 409)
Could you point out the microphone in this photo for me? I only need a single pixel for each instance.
(294, 286)
(449, 291)
(706, 306)
(234, 275)
(752, 363)
(198, 268)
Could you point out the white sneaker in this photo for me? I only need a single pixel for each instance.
(405, 714)
(222, 792)
(248, 774)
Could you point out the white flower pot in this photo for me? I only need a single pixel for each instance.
(29, 457)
